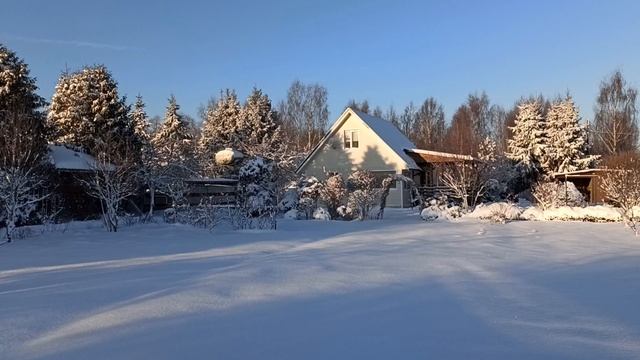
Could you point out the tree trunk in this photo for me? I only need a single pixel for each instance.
(152, 199)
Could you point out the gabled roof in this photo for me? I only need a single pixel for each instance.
(385, 130)
(391, 135)
(64, 158)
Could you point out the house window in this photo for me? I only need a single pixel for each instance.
(350, 139)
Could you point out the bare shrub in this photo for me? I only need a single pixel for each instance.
(622, 187)
(555, 194)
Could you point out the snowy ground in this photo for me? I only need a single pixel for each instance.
(399, 288)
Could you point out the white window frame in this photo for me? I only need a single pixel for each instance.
(348, 139)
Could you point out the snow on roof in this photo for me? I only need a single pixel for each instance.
(386, 131)
(442, 154)
(578, 172)
(64, 158)
(391, 135)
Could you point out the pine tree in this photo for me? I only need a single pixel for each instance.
(260, 128)
(567, 144)
(140, 121)
(220, 130)
(16, 84)
(256, 194)
(174, 150)
(149, 172)
(21, 109)
(174, 139)
(527, 146)
(86, 110)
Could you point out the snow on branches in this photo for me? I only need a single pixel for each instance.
(364, 194)
(20, 193)
(622, 187)
(256, 195)
(86, 110)
(567, 142)
(527, 146)
(113, 180)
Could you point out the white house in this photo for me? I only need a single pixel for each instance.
(359, 141)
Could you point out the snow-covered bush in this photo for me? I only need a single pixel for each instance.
(308, 195)
(19, 196)
(292, 214)
(554, 194)
(622, 186)
(289, 199)
(169, 215)
(345, 212)
(440, 208)
(48, 219)
(496, 169)
(598, 213)
(256, 195)
(206, 214)
(364, 195)
(333, 194)
(496, 212)
(321, 214)
(429, 214)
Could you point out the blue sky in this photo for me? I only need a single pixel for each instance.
(389, 52)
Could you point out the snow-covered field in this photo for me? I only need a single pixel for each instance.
(394, 289)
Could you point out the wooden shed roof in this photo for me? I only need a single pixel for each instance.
(421, 156)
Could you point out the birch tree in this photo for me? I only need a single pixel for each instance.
(23, 148)
(615, 127)
(112, 181)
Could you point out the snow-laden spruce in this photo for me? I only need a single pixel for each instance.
(86, 110)
(527, 146)
(256, 195)
(567, 140)
(261, 128)
(219, 130)
(175, 151)
(140, 120)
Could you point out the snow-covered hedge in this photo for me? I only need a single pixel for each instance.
(440, 208)
(597, 213)
(503, 212)
(496, 212)
(321, 214)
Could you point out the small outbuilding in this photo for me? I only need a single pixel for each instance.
(69, 196)
(588, 182)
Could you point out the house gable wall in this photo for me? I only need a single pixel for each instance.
(372, 153)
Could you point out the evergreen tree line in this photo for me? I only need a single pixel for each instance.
(613, 131)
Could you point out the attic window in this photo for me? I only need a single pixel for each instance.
(351, 139)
